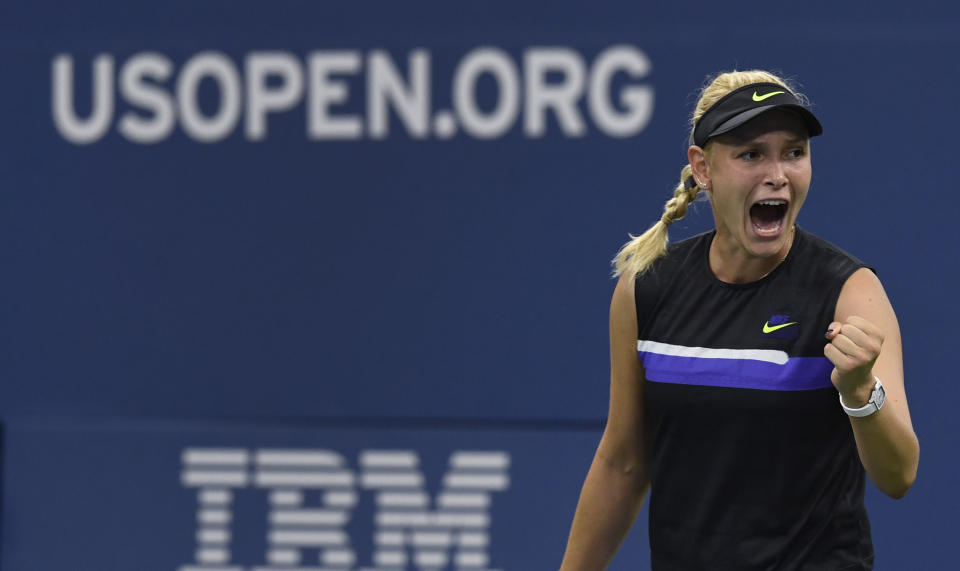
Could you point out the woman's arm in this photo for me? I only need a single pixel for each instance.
(618, 479)
(864, 343)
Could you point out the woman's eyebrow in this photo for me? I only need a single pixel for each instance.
(756, 142)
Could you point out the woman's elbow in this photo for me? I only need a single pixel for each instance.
(898, 488)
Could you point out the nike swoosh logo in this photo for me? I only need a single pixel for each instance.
(768, 329)
(764, 96)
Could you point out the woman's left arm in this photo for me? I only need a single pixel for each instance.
(864, 342)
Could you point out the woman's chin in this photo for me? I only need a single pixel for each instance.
(768, 242)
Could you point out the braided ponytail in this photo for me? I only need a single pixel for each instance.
(637, 255)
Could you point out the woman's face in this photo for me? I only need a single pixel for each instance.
(758, 176)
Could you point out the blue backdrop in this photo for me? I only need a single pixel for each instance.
(339, 227)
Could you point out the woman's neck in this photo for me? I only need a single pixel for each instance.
(731, 263)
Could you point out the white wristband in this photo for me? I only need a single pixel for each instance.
(877, 398)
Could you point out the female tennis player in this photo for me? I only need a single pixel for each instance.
(757, 369)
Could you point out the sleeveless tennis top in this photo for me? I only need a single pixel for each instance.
(753, 462)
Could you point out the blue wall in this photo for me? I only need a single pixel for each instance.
(270, 262)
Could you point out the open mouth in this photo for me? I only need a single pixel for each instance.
(767, 216)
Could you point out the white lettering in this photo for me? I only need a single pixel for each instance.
(74, 129)
(638, 100)
(219, 68)
(384, 85)
(136, 91)
(489, 91)
(403, 518)
(295, 527)
(455, 532)
(498, 64)
(215, 472)
(561, 97)
(261, 98)
(325, 91)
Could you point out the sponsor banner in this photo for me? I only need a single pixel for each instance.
(152, 496)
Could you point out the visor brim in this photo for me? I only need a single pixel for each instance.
(809, 120)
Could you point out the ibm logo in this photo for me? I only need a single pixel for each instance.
(454, 532)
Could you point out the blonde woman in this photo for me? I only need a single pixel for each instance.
(756, 370)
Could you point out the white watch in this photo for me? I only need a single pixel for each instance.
(877, 398)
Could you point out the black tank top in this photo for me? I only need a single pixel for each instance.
(753, 462)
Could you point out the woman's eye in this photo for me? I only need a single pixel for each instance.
(750, 155)
(796, 153)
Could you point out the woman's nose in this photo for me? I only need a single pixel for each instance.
(776, 177)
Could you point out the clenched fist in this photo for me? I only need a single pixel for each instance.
(853, 348)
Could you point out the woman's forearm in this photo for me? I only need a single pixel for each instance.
(888, 449)
(609, 502)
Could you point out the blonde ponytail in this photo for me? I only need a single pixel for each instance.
(637, 255)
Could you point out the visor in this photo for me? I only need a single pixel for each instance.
(741, 105)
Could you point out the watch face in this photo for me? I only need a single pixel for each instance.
(879, 396)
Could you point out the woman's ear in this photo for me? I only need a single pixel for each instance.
(701, 169)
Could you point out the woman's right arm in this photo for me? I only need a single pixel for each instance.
(618, 479)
